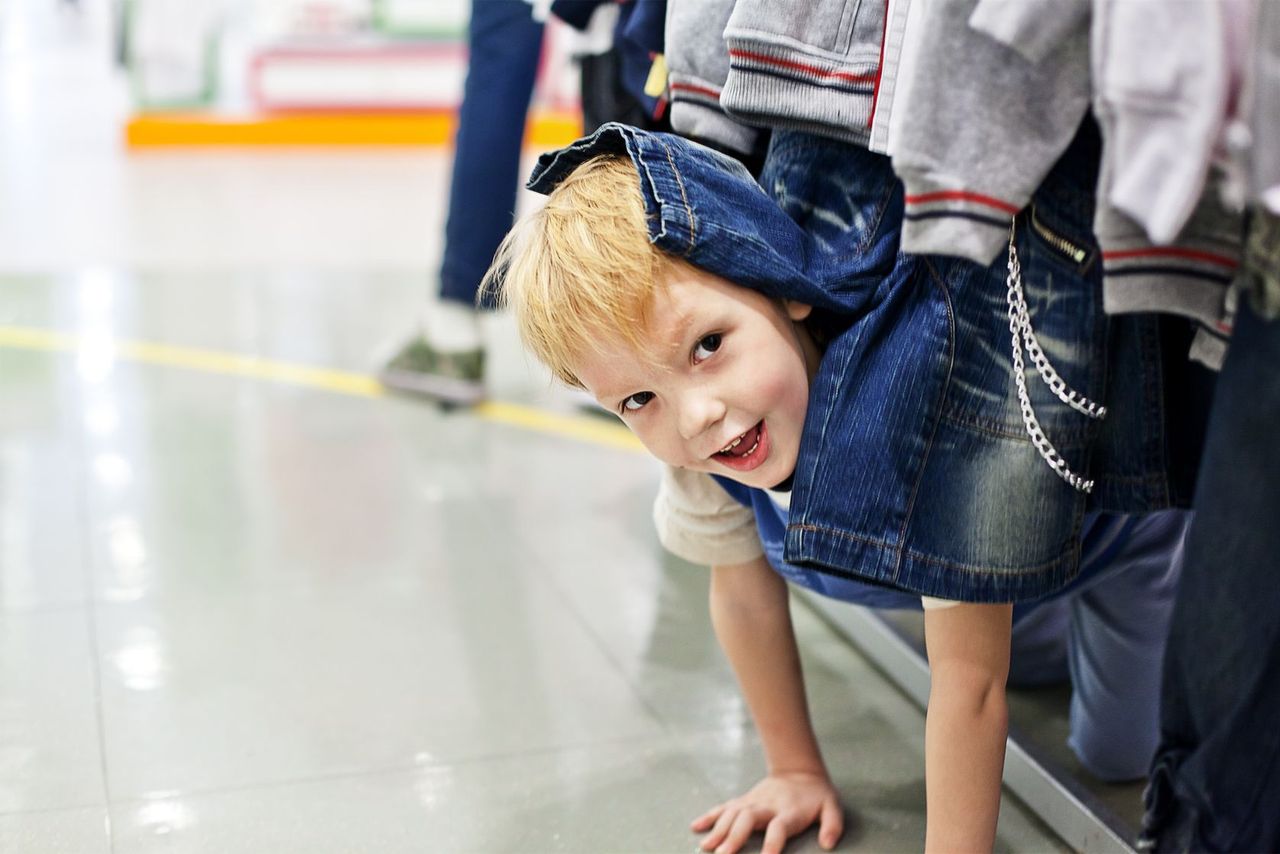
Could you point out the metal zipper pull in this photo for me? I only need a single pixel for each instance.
(1057, 241)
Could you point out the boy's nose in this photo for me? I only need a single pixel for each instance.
(699, 412)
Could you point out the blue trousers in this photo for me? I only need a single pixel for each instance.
(1106, 632)
(505, 44)
(1215, 782)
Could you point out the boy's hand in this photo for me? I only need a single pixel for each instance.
(782, 805)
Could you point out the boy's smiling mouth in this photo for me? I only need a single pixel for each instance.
(747, 451)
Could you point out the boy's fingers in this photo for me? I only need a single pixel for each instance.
(775, 836)
(830, 824)
(707, 819)
(739, 832)
(719, 830)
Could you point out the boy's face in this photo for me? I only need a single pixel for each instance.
(723, 384)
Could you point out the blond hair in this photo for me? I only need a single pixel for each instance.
(580, 270)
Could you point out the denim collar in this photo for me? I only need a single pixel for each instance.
(705, 208)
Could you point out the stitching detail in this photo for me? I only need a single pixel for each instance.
(914, 555)
(684, 198)
(931, 272)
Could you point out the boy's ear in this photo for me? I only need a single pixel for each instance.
(797, 311)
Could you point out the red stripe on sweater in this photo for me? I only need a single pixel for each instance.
(1171, 252)
(800, 66)
(699, 90)
(961, 196)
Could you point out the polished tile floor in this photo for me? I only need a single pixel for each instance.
(250, 604)
(240, 613)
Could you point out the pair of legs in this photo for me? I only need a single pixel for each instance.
(1107, 632)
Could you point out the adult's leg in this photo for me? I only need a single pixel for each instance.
(1215, 782)
(505, 44)
(1119, 625)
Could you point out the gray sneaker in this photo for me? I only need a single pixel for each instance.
(419, 368)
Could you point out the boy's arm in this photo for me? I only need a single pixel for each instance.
(752, 619)
(966, 725)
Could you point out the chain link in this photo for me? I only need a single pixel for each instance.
(1023, 335)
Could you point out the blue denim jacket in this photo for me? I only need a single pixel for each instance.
(915, 469)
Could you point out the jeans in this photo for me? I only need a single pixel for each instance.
(505, 44)
(1106, 632)
(1215, 782)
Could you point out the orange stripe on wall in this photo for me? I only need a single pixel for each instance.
(546, 129)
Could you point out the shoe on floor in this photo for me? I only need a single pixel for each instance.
(419, 368)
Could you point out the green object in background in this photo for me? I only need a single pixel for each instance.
(421, 369)
(392, 21)
(144, 97)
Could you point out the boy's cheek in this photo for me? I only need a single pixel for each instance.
(662, 450)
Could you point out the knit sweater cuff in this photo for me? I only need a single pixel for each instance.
(776, 86)
(696, 113)
(946, 218)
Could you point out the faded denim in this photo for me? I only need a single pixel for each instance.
(915, 470)
(1215, 782)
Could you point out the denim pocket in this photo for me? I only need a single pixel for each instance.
(1063, 295)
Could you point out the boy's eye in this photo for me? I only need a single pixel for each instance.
(637, 400)
(706, 346)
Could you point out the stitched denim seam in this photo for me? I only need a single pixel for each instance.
(684, 198)
(827, 412)
(1023, 571)
(933, 433)
(869, 234)
(1064, 437)
(638, 159)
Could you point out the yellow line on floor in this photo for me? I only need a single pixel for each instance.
(580, 428)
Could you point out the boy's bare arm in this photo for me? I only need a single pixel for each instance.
(749, 609)
(966, 725)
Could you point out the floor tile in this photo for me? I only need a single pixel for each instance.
(74, 831)
(633, 798)
(43, 551)
(210, 692)
(49, 743)
(286, 490)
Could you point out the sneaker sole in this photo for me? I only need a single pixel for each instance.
(443, 389)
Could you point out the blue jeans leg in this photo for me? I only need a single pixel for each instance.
(1119, 625)
(1215, 781)
(505, 45)
(1107, 632)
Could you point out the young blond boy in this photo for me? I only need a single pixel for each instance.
(715, 378)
